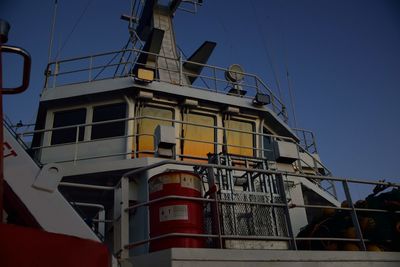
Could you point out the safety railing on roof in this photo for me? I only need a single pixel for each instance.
(77, 150)
(350, 226)
(307, 140)
(122, 64)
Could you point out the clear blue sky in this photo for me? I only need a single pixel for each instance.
(343, 58)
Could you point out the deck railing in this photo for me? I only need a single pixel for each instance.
(218, 236)
(259, 151)
(121, 63)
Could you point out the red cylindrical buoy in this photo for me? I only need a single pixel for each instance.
(176, 215)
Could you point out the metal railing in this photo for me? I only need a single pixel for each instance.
(107, 66)
(258, 150)
(218, 236)
(307, 140)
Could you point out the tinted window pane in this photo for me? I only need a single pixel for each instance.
(198, 133)
(147, 126)
(106, 113)
(68, 118)
(239, 143)
(268, 146)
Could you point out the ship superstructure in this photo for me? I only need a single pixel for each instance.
(116, 130)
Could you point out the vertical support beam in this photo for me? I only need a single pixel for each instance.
(180, 69)
(216, 217)
(124, 221)
(354, 215)
(76, 145)
(282, 193)
(1, 136)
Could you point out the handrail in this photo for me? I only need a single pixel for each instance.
(250, 81)
(276, 236)
(303, 134)
(260, 149)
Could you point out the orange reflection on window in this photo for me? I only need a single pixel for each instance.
(200, 137)
(239, 143)
(146, 127)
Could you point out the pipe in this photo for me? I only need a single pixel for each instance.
(1, 134)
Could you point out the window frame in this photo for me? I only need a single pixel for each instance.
(254, 134)
(215, 129)
(135, 146)
(104, 122)
(72, 126)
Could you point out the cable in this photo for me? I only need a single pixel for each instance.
(121, 58)
(74, 27)
(292, 106)
(264, 42)
(291, 95)
(108, 63)
(52, 31)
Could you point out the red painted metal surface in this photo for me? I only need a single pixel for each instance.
(25, 83)
(28, 247)
(176, 216)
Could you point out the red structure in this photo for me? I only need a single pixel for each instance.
(176, 215)
(29, 247)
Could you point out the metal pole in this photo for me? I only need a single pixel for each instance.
(1, 136)
(180, 69)
(289, 226)
(354, 215)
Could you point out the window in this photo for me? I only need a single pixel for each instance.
(106, 113)
(202, 135)
(68, 118)
(268, 145)
(147, 126)
(239, 143)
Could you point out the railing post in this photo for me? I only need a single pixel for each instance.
(124, 220)
(76, 144)
(273, 103)
(180, 69)
(90, 68)
(354, 215)
(47, 74)
(215, 211)
(289, 226)
(305, 140)
(56, 68)
(215, 79)
(256, 79)
(314, 142)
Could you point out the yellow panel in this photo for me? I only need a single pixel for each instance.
(237, 141)
(199, 133)
(146, 128)
(145, 74)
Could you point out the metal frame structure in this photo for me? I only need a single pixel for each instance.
(291, 238)
(82, 69)
(259, 150)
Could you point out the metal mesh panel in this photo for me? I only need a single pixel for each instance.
(251, 219)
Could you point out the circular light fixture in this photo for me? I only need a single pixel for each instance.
(234, 73)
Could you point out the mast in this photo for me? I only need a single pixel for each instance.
(155, 27)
